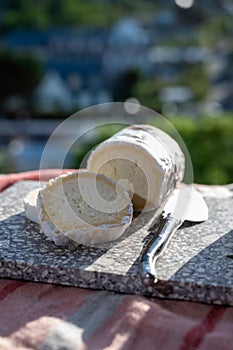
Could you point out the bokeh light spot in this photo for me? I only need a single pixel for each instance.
(132, 105)
(185, 4)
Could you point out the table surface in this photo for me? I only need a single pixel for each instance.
(195, 265)
(46, 316)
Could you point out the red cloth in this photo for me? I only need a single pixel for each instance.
(34, 175)
(45, 316)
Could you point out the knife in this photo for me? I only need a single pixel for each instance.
(184, 204)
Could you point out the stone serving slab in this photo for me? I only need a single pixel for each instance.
(196, 265)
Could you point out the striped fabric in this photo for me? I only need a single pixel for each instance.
(51, 317)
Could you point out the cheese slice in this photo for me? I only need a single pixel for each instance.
(149, 161)
(83, 207)
(30, 205)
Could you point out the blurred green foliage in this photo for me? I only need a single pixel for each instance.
(215, 29)
(5, 166)
(210, 144)
(195, 76)
(147, 89)
(49, 13)
(208, 140)
(45, 13)
(14, 68)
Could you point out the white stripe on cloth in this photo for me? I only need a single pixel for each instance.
(94, 312)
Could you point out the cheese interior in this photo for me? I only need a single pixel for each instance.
(144, 176)
(76, 201)
(137, 184)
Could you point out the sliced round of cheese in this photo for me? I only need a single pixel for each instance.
(30, 205)
(84, 207)
(148, 159)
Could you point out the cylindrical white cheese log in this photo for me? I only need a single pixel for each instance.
(150, 161)
(83, 207)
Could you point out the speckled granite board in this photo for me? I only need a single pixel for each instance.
(195, 266)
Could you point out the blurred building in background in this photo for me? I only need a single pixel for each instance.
(57, 58)
(167, 46)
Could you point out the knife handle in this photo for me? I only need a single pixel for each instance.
(155, 247)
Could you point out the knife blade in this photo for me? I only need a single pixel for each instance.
(184, 204)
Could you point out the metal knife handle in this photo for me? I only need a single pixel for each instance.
(154, 248)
